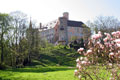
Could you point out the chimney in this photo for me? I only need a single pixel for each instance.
(66, 15)
(40, 25)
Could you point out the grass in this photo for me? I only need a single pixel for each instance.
(45, 73)
(49, 73)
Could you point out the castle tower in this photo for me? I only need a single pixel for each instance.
(30, 24)
(66, 15)
(63, 34)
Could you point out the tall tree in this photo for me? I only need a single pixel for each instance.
(4, 27)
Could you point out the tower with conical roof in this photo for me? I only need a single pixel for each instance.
(30, 24)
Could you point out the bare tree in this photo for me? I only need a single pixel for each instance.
(105, 24)
(19, 22)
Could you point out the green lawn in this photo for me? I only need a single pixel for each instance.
(48, 73)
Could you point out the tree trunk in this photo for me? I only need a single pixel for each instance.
(2, 57)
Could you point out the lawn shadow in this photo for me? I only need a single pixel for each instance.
(41, 70)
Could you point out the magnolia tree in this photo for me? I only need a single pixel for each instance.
(101, 56)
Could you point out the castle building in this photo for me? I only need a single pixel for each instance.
(63, 30)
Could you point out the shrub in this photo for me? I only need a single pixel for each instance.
(2, 66)
(103, 51)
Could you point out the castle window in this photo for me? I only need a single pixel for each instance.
(61, 28)
(78, 30)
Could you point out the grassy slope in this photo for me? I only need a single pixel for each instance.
(54, 73)
(57, 55)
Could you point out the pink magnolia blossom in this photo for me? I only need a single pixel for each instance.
(99, 32)
(96, 36)
(77, 60)
(118, 32)
(98, 42)
(117, 41)
(105, 33)
(89, 51)
(81, 49)
(106, 44)
(111, 54)
(76, 72)
(113, 33)
(118, 45)
(77, 65)
(105, 39)
(108, 35)
(118, 51)
(81, 58)
(83, 62)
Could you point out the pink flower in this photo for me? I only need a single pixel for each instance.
(98, 42)
(118, 32)
(111, 54)
(77, 65)
(83, 62)
(118, 45)
(113, 33)
(89, 51)
(118, 51)
(76, 72)
(106, 44)
(81, 49)
(108, 35)
(105, 39)
(117, 41)
(99, 32)
(81, 58)
(96, 36)
(105, 33)
(77, 60)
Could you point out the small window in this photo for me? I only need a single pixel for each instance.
(78, 30)
(62, 38)
(61, 28)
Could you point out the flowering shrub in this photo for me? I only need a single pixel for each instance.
(103, 52)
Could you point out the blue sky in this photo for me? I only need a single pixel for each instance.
(48, 10)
